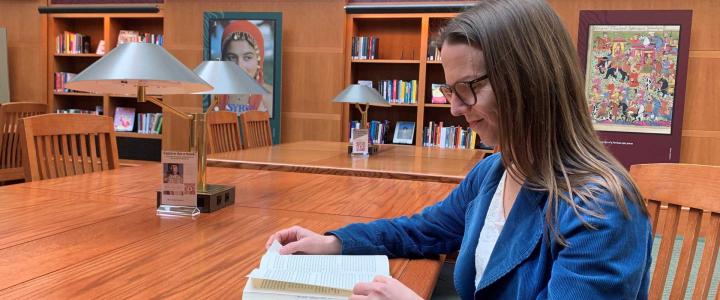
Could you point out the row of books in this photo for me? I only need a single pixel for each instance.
(437, 135)
(61, 78)
(365, 47)
(72, 43)
(150, 123)
(377, 129)
(146, 122)
(131, 36)
(399, 91)
(79, 111)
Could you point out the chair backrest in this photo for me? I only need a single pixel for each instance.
(682, 187)
(255, 129)
(224, 134)
(58, 145)
(11, 167)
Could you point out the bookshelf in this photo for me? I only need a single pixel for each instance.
(402, 54)
(61, 58)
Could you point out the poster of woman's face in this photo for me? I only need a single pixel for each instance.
(253, 42)
(250, 45)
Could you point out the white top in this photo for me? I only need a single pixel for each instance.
(494, 222)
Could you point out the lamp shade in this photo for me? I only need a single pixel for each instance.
(356, 93)
(131, 65)
(227, 78)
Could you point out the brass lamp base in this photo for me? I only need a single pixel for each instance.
(372, 149)
(216, 197)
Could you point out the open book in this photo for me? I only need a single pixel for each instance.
(311, 276)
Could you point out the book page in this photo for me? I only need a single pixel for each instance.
(332, 271)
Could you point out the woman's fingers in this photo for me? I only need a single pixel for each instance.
(365, 288)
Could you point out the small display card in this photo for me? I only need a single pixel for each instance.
(360, 141)
(179, 178)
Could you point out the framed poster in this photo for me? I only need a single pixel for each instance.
(635, 65)
(254, 42)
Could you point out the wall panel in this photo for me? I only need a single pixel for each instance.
(26, 49)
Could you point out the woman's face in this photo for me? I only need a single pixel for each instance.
(174, 169)
(463, 63)
(241, 53)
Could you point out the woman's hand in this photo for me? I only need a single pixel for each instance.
(302, 241)
(383, 287)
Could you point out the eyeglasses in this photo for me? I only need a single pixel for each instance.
(465, 90)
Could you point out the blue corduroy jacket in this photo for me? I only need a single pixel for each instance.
(611, 261)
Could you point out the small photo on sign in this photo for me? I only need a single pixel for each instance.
(173, 173)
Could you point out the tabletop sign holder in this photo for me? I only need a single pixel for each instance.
(213, 198)
(360, 142)
(178, 196)
(359, 138)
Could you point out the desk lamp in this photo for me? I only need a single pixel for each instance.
(361, 94)
(145, 69)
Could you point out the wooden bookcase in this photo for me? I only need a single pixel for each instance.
(131, 145)
(402, 54)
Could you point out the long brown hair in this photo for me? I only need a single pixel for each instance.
(545, 128)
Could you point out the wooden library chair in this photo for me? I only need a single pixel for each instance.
(11, 166)
(223, 132)
(58, 145)
(694, 191)
(255, 129)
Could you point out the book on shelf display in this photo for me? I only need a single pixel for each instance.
(124, 119)
(437, 95)
(404, 132)
(367, 83)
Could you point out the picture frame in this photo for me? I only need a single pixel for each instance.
(254, 41)
(635, 68)
(404, 132)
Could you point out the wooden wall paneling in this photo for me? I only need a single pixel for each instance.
(399, 38)
(701, 126)
(26, 52)
(304, 107)
(702, 98)
(700, 150)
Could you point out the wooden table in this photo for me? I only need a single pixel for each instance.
(392, 161)
(97, 235)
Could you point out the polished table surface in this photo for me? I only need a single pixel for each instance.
(392, 161)
(97, 235)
